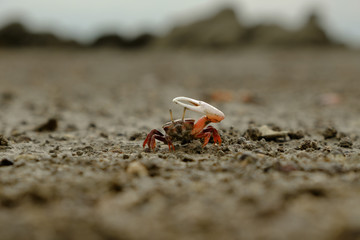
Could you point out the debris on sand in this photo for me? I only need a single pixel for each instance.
(264, 132)
(6, 162)
(137, 169)
(3, 141)
(308, 145)
(50, 126)
(6, 97)
(222, 96)
(329, 132)
(248, 97)
(296, 135)
(346, 142)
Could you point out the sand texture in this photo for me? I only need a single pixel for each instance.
(72, 165)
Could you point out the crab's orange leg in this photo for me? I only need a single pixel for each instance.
(215, 134)
(216, 137)
(207, 133)
(206, 136)
(200, 125)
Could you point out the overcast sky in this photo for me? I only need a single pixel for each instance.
(84, 19)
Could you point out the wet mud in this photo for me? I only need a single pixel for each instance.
(72, 165)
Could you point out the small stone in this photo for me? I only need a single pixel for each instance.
(137, 169)
(5, 162)
(264, 132)
(269, 134)
(346, 142)
(104, 135)
(153, 169)
(50, 126)
(92, 125)
(7, 96)
(188, 159)
(135, 136)
(241, 140)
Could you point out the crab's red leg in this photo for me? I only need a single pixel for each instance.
(160, 138)
(207, 133)
(206, 136)
(148, 137)
(171, 146)
(215, 134)
(169, 143)
(156, 135)
(216, 137)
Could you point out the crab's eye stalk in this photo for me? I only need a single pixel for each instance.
(213, 114)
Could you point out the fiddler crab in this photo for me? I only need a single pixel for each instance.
(186, 129)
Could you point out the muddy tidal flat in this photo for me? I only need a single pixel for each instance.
(72, 164)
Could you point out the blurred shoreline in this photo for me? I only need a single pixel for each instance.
(221, 31)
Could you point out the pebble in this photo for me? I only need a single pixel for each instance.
(329, 132)
(5, 162)
(50, 126)
(137, 169)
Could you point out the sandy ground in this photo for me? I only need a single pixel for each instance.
(86, 175)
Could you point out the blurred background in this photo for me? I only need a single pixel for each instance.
(203, 23)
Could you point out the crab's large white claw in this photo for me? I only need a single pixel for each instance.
(214, 114)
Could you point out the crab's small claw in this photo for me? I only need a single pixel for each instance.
(212, 113)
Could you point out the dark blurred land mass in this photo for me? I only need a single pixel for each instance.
(223, 30)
